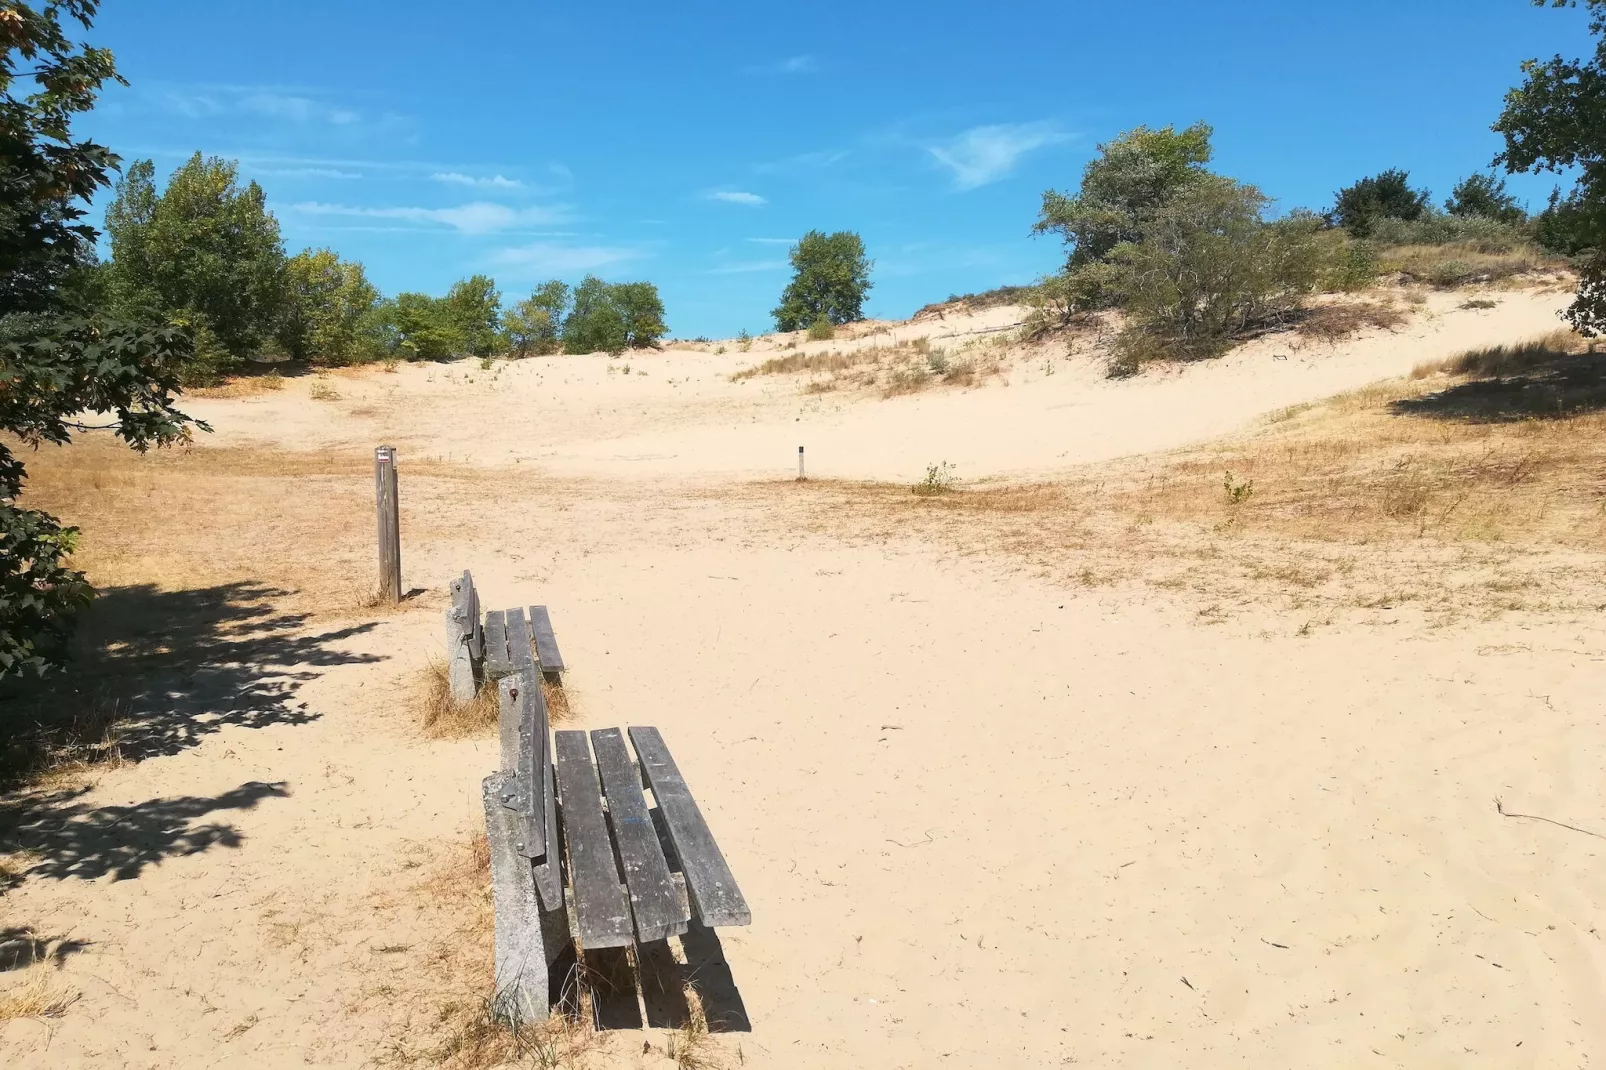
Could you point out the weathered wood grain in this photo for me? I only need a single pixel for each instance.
(521, 987)
(387, 496)
(601, 912)
(497, 664)
(715, 898)
(518, 640)
(653, 899)
(546, 642)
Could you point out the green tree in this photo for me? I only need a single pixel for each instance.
(595, 323)
(206, 253)
(1207, 265)
(830, 278)
(418, 327)
(472, 309)
(1484, 196)
(329, 310)
(1555, 120)
(532, 326)
(57, 358)
(1131, 176)
(643, 313)
(1387, 195)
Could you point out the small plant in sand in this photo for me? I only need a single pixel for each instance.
(1238, 490)
(939, 480)
(744, 341)
(938, 362)
(323, 390)
(486, 363)
(390, 364)
(822, 329)
(719, 351)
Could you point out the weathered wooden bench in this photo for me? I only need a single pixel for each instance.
(580, 856)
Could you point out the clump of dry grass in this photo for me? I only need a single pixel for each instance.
(240, 386)
(1464, 263)
(810, 362)
(37, 993)
(441, 717)
(1337, 321)
(1505, 359)
(323, 390)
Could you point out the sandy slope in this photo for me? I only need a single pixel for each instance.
(982, 820)
(683, 417)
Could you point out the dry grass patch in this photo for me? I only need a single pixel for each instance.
(1471, 491)
(1335, 322)
(36, 993)
(442, 717)
(1467, 263)
(241, 386)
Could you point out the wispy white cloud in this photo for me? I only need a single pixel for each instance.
(457, 178)
(984, 154)
(296, 109)
(736, 196)
(210, 102)
(556, 258)
(480, 217)
(772, 241)
(803, 161)
(749, 266)
(804, 64)
(306, 172)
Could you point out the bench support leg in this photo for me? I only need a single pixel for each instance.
(528, 939)
(459, 661)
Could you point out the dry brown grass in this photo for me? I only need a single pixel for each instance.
(1337, 321)
(1472, 492)
(241, 386)
(1463, 264)
(892, 370)
(1502, 360)
(36, 992)
(443, 718)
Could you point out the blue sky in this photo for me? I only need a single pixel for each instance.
(690, 143)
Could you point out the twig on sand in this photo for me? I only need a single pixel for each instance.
(1501, 810)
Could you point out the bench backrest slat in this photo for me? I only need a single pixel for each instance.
(714, 896)
(653, 898)
(475, 629)
(602, 914)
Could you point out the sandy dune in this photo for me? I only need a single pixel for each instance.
(981, 819)
(677, 414)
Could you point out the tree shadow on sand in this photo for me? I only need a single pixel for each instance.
(1557, 389)
(155, 673)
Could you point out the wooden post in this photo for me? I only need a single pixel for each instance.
(800, 464)
(388, 498)
(521, 988)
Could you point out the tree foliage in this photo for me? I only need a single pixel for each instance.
(532, 326)
(830, 278)
(329, 310)
(612, 317)
(206, 253)
(1386, 195)
(1206, 266)
(56, 359)
(1484, 196)
(472, 312)
(1556, 120)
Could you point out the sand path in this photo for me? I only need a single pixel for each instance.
(982, 820)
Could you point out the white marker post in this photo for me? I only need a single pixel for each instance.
(800, 464)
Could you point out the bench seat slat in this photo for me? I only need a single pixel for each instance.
(714, 895)
(653, 898)
(518, 640)
(600, 909)
(546, 642)
(496, 660)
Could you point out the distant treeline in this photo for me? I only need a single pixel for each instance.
(205, 254)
